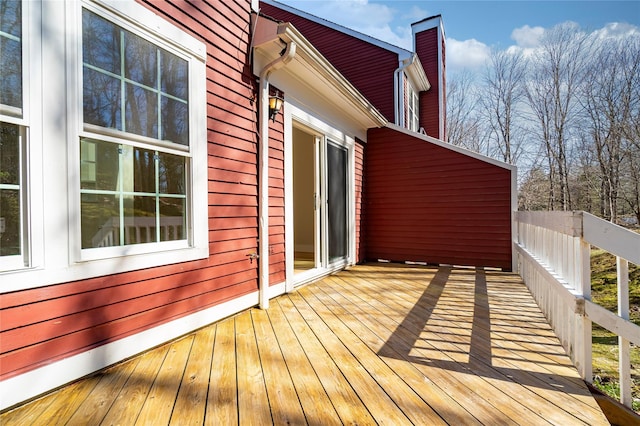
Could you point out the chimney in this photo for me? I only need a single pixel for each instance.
(429, 45)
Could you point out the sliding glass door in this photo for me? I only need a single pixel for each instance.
(320, 204)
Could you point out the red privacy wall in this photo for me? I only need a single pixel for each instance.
(428, 203)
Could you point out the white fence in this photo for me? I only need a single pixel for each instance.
(553, 251)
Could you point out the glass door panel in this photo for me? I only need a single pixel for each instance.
(336, 202)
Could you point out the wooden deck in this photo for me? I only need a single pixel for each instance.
(377, 344)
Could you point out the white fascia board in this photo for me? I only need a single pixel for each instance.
(427, 24)
(402, 53)
(312, 72)
(459, 149)
(416, 74)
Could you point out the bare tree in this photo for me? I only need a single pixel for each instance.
(609, 99)
(501, 98)
(555, 72)
(463, 125)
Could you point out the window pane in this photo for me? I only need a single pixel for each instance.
(175, 75)
(144, 174)
(141, 60)
(139, 220)
(175, 121)
(101, 99)
(141, 111)
(100, 222)
(106, 72)
(99, 164)
(10, 222)
(172, 219)
(100, 43)
(171, 174)
(11, 53)
(9, 154)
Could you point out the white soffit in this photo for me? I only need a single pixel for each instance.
(310, 77)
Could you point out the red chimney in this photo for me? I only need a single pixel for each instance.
(429, 45)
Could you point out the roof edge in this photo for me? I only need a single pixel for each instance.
(401, 52)
(285, 32)
(456, 148)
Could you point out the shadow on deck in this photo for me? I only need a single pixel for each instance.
(376, 344)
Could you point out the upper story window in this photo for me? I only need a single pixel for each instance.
(413, 121)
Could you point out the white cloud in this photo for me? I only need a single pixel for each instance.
(527, 37)
(469, 54)
(617, 30)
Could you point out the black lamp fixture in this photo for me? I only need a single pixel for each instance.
(275, 103)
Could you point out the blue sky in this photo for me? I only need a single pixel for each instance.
(473, 27)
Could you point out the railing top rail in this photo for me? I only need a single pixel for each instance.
(611, 237)
(568, 223)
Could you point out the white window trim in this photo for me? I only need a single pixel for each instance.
(54, 194)
(31, 155)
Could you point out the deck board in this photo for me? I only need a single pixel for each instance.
(376, 344)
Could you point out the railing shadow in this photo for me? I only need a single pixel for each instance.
(468, 337)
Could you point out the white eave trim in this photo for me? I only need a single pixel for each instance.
(269, 41)
(416, 74)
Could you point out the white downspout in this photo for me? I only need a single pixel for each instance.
(399, 91)
(263, 171)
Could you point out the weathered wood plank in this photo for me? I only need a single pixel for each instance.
(159, 404)
(317, 406)
(283, 399)
(382, 408)
(253, 402)
(111, 382)
(340, 321)
(190, 403)
(222, 401)
(346, 402)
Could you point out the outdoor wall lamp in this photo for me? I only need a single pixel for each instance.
(275, 103)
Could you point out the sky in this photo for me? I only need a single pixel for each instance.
(472, 28)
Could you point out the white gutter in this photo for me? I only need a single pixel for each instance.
(263, 171)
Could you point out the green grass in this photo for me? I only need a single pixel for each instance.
(605, 344)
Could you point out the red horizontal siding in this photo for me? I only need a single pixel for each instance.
(427, 203)
(368, 67)
(427, 50)
(42, 325)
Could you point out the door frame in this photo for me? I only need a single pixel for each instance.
(294, 116)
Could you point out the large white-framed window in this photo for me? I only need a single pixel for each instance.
(104, 156)
(14, 212)
(141, 145)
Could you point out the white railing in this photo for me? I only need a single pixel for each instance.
(553, 251)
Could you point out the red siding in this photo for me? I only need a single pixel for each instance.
(276, 202)
(430, 204)
(427, 50)
(368, 67)
(42, 325)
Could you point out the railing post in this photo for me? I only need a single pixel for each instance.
(583, 358)
(624, 360)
